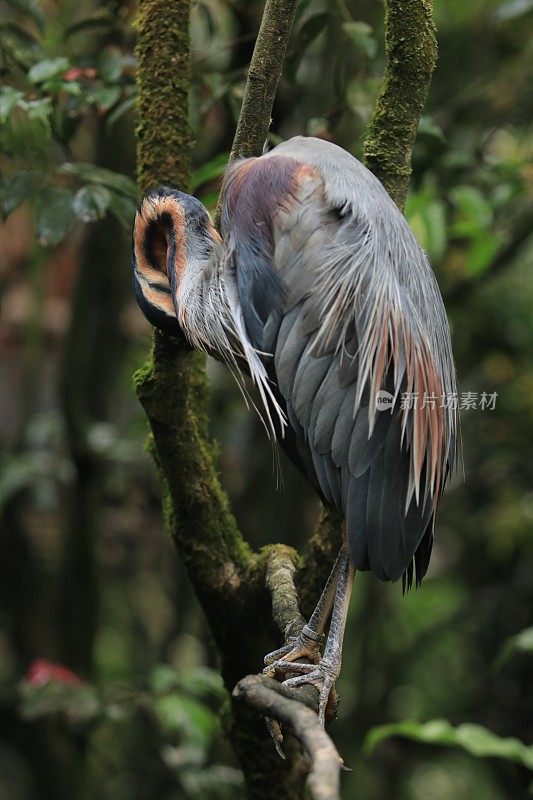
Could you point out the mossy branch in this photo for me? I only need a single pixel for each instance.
(281, 566)
(276, 701)
(163, 80)
(229, 580)
(262, 82)
(263, 78)
(172, 385)
(411, 46)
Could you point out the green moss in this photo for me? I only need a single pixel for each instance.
(172, 384)
(412, 55)
(163, 133)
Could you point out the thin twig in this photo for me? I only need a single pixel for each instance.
(276, 701)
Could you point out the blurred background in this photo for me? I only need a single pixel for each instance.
(108, 682)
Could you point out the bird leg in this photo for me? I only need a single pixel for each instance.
(307, 643)
(324, 674)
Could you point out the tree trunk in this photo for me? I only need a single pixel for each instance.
(229, 579)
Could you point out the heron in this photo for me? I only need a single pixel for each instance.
(318, 290)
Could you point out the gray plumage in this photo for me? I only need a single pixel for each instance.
(320, 290)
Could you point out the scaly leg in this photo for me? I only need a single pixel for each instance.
(324, 674)
(307, 644)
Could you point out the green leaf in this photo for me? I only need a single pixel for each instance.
(183, 715)
(208, 172)
(19, 34)
(306, 34)
(118, 112)
(301, 8)
(359, 100)
(89, 173)
(164, 678)
(9, 97)
(102, 19)
(429, 226)
(105, 96)
(21, 187)
(30, 8)
(38, 109)
(18, 473)
(512, 10)
(428, 127)
(54, 215)
(110, 64)
(312, 28)
(91, 203)
(481, 252)
(28, 133)
(360, 35)
(78, 704)
(123, 209)
(56, 85)
(474, 212)
(49, 68)
(202, 682)
(520, 643)
(475, 739)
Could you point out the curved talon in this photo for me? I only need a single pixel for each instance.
(323, 677)
(283, 660)
(291, 666)
(275, 655)
(274, 729)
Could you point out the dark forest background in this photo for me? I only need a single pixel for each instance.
(108, 680)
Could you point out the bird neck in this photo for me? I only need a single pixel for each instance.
(195, 292)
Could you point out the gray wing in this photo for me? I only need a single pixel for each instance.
(385, 470)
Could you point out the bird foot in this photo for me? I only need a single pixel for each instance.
(318, 672)
(322, 676)
(281, 662)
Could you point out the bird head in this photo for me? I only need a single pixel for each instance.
(173, 240)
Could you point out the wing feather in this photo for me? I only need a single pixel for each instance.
(360, 312)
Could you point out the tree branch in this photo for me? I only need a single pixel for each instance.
(263, 78)
(232, 584)
(229, 580)
(274, 700)
(262, 82)
(411, 46)
(172, 385)
(280, 570)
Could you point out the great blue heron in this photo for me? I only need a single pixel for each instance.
(319, 290)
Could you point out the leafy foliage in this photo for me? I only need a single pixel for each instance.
(475, 739)
(39, 122)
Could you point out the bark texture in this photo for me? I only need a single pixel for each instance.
(244, 594)
(411, 44)
(230, 580)
(263, 78)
